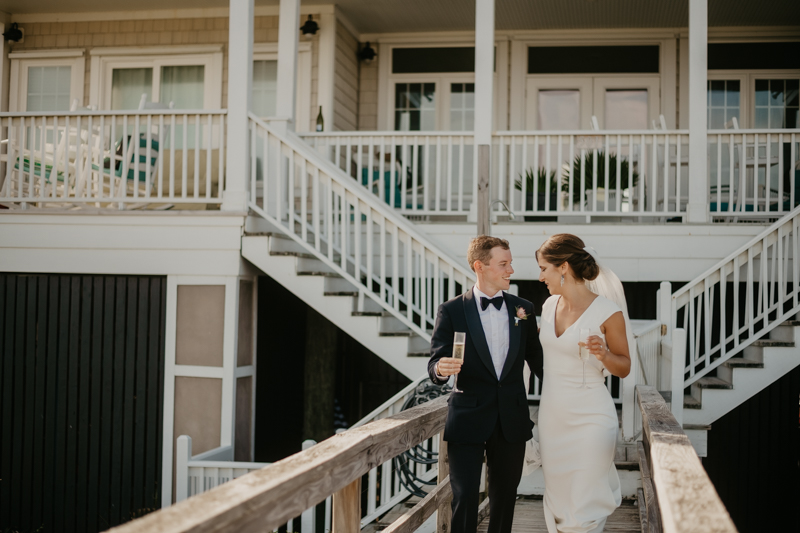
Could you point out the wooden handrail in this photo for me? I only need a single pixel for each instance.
(680, 497)
(267, 498)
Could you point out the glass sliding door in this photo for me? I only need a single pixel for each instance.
(128, 85)
(415, 107)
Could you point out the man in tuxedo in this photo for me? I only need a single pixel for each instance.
(489, 412)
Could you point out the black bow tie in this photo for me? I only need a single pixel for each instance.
(497, 302)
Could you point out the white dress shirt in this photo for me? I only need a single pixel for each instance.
(495, 328)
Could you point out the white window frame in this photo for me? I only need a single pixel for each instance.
(303, 111)
(22, 61)
(747, 81)
(387, 81)
(105, 60)
(664, 81)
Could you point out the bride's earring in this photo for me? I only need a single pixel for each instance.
(562, 280)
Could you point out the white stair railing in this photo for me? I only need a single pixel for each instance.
(350, 230)
(740, 299)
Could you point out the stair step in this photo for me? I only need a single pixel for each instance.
(276, 234)
(791, 322)
(627, 465)
(690, 402)
(367, 313)
(319, 273)
(406, 333)
(713, 383)
(741, 362)
(340, 293)
(772, 343)
(419, 354)
(304, 255)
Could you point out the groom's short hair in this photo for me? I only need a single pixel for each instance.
(480, 249)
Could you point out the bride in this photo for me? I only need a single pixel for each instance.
(577, 417)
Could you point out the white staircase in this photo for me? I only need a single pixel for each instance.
(739, 321)
(344, 252)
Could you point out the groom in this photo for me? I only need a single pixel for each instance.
(489, 413)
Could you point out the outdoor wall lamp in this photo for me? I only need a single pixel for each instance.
(310, 28)
(367, 54)
(13, 34)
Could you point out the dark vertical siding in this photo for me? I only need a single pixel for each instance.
(753, 455)
(81, 400)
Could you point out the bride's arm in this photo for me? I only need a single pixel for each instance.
(614, 353)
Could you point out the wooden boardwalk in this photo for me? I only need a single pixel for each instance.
(529, 518)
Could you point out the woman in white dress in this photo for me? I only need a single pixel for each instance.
(577, 418)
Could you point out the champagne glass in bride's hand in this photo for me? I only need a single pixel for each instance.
(583, 352)
(459, 340)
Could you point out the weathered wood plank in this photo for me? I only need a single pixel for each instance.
(267, 498)
(642, 510)
(444, 517)
(687, 499)
(652, 512)
(347, 508)
(416, 516)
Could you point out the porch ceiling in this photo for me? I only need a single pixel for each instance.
(389, 16)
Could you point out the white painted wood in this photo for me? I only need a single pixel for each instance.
(484, 70)
(169, 391)
(229, 345)
(288, 24)
(677, 380)
(240, 89)
(698, 149)
(669, 81)
(326, 69)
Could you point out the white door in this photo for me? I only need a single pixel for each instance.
(568, 103)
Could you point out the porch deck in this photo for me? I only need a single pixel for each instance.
(529, 518)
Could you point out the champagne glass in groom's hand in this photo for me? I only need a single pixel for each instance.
(459, 340)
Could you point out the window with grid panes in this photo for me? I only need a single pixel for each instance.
(777, 104)
(723, 103)
(462, 106)
(415, 107)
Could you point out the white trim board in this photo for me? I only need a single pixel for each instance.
(208, 12)
(37, 54)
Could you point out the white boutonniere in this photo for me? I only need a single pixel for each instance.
(521, 315)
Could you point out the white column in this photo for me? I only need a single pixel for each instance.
(326, 69)
(288, 29)
(698, 140)
(484, 105)
(240, 82)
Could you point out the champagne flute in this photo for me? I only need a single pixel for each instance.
(583, 352)
(459, 340)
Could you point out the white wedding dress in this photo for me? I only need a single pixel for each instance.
(577, 427)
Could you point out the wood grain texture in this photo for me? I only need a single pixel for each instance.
(529, 518)
(444, 516)
(347, 508)
(686, 497)
(267, 498)
(416, 516)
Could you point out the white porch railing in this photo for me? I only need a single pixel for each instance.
(420, 173)
(112, 158)
(352, 232)
(740, 299)
(566, 172)
(753, 173)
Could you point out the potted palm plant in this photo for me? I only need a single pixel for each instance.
(628, 177)
(541, 190)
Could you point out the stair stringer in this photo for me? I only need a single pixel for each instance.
(747, 382)
(337, 309)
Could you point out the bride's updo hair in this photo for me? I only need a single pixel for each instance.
(565, 247)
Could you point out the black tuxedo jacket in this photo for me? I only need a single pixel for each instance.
(474, 412)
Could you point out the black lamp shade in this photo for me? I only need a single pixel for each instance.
(13, 33)
(310, 27)
(367, 54)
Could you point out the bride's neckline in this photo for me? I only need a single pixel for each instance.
(555, 316)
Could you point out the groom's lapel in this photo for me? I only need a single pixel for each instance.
(513, 335)
(476, 330)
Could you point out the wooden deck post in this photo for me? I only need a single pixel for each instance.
(347, 508)
(444, 513)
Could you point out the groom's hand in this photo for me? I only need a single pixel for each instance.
(447, 366)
